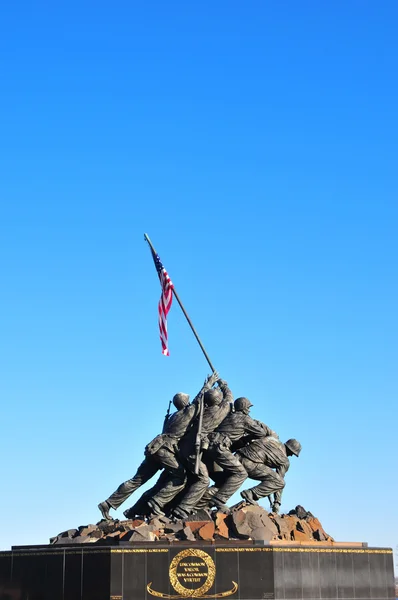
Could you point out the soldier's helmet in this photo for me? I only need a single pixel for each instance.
(212, 397)
(242, 405)
(180, 400)
(294, 446)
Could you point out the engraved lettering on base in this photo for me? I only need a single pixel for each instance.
(192, 573)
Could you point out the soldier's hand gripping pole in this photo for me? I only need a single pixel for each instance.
(198, 441)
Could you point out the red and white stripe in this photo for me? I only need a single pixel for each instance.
(164, 306)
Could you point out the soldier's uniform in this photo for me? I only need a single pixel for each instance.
(160, 453)
(265, 460)
(240, 426)
(213, 416)
(237, 428)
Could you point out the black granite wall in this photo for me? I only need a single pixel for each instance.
(70, 574)
(335, 573)
(245, 572)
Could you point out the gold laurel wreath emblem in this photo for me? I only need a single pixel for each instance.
(184, 592)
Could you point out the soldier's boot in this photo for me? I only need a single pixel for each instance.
(179, 514)
(104, 509)
(248, 495)
(129, 513)
(275, 507)
(139, 511)
(207, 499)
(155, 509)
(219, 505)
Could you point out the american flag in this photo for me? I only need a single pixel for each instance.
(165, 301)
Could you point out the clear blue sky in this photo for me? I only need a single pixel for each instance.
(256, 143)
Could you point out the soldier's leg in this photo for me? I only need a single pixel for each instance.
(172, 481)
(194, 491)
(271, 482)
(145, 471)
(217, 474)
(141, 507)
(234, 475)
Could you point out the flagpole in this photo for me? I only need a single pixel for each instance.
(185, 312)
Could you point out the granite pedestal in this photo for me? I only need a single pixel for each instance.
(246, 571)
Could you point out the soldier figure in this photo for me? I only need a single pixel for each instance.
(241, 428)
(217, 405)
(259, 458)
(160, 453)
(237, 429)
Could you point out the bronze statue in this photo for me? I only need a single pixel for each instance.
(266, 460)
(217, 405)
(160, 453)
(236, 430)
(210, 436)
(233, 447)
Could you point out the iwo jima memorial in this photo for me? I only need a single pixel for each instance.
(180, 539)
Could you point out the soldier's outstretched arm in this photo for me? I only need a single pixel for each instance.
(208, 384)
(256, 429)
(226, 392)
(211, 380)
